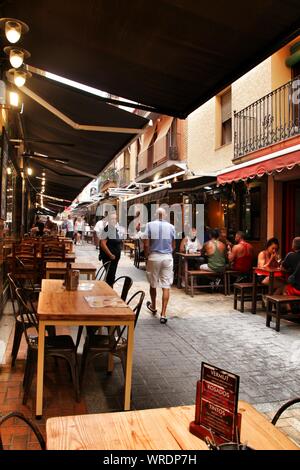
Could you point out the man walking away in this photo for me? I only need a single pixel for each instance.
(159, 243)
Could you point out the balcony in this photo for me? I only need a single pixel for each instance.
(269, 120)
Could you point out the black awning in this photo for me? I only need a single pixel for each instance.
(172, 55)
(86, 151)
(193, 184)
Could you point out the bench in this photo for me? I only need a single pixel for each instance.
(277, 301)
(243, 292)
(191, 274)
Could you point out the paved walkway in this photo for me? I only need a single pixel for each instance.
(168, 357)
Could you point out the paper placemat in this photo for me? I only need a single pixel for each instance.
(100, 301)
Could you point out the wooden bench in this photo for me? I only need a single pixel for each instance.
(243, 291)
(277, 301)
(237, 274)
(191, 274)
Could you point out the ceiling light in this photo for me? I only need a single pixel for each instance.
(16, 55)
(8, 170)
(43, 174)
(13, 29)
(207, 187)
(18, 77)
(29, 171)
(14, 98)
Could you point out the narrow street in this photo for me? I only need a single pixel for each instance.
(168, 358)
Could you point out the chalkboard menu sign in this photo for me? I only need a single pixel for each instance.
(217, 404)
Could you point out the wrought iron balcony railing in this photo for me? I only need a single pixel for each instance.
(271, 119)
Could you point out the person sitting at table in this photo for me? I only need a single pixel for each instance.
(241, 255)
(269, 258)
(191, 244)
(291, 264)
(215, 251)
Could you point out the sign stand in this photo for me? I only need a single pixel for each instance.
(216, 416)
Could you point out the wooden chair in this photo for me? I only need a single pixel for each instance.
(55, 346)
(279, 301)
(114, 343)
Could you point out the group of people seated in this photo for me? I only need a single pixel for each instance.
(218, 253)
(40, 229)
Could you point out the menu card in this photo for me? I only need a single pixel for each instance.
(100, 301)
(217, 401)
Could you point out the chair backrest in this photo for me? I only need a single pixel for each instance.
(102, 272)
(26, 312)
(127, 283)
(138, 298)
(17, 414)
(12, 290)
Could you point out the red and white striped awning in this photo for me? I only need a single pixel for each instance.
(287, 158)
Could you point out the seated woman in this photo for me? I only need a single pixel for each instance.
(269, 258)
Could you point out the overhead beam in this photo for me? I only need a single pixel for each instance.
(75, 125)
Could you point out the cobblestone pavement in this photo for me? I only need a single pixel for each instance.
(168, 358)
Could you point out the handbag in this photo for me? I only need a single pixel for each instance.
(292, 278)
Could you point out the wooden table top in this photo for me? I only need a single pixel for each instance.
(72, 306)
(56, 265)
(83, 266)
(155, 429)
(63, 265)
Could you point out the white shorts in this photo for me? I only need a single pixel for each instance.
(159, 270)
(205, 267)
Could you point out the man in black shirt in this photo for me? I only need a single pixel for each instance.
(291, 264)
(110, 247)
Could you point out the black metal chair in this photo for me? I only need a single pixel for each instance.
(138, 253)
(114, 343)
(35, 430)
(127, 283)
(283, 408)
(31, 296)
(55, 346)
(102, 272)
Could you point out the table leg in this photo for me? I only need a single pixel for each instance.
(40, 371)
(186, 267)
(179, 272)
(129, 360)
(271, 283)
(47, 275)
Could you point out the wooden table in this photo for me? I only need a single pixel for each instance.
(264, 272)
(59, 307)
(157, 429)
(60, 268)
(85, 268)
(53, 267)
(184, 260)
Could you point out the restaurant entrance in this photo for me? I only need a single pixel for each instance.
(291, 205)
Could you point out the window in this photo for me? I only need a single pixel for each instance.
(226, 136)
(250, 218)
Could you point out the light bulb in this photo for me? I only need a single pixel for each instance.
(16, 58)
(29, 171)
(13, 98)
(13, 31)
(19, 78)
(8, 169)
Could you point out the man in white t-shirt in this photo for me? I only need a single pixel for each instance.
(70, 227)
(99, 227)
